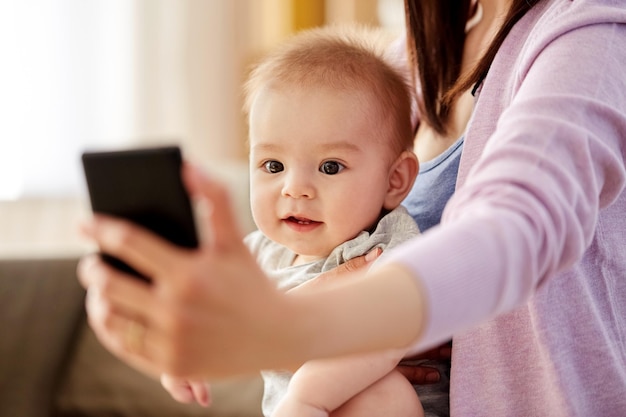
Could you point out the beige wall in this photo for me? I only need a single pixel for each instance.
(48, 227)
(189, 60)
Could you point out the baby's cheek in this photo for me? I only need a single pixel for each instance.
(258, 210)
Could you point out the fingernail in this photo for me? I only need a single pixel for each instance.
(197, 173)
(373, 254)
(85, 228)
(432, 376)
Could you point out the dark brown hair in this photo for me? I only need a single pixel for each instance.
(435, 38)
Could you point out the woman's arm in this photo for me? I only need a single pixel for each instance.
(530, 193)
(346, 270)
(211, 312)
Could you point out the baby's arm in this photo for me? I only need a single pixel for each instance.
(321, 386)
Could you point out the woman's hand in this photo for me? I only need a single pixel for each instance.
(212, 313)
(201, 303)
(343, 271)
(186, 391)
(423, 375)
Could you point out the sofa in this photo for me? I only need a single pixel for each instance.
(51, 364)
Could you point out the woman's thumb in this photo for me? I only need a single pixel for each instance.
(216, 219)
(361, 262)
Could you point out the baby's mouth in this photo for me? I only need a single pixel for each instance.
(300, 220)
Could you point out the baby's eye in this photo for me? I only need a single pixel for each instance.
(273, 167)
(331, 167)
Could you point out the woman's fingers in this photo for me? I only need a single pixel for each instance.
(201, 392)
(362, 262)
(123, 312)
(419, 375)
(216, 219)
(128, 338)
(145, 251)
(126, 292)
(178, 388)
(84, 269)
(187, 391)
(344, 270)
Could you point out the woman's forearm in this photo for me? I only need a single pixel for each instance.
(358, 315)
(212, 312)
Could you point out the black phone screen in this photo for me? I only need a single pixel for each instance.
(145, 187)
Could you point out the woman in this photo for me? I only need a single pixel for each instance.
(526, 269)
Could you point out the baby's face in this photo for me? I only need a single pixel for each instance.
(319, 173)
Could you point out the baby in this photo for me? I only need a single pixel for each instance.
(330, 162)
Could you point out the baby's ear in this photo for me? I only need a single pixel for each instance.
(402, 175)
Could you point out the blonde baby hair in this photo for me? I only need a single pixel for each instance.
(345, 58)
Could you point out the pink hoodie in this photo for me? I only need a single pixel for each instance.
(528, 268)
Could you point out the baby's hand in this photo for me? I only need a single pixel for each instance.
(186, 391)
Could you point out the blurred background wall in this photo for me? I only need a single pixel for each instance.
(91, 74)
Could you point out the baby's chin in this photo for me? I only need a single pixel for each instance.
(303, 260)
(305, 255)
(305, 251)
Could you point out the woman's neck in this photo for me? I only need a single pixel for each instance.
(478, 39)
(428, 143)
(495, 6)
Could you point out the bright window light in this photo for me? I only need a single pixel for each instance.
(66, 83)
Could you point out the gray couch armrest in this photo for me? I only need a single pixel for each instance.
(99, 384)
(41, 305)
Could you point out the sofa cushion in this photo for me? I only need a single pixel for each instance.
(98, 384)
(41, 304)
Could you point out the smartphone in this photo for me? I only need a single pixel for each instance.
(143, 186)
